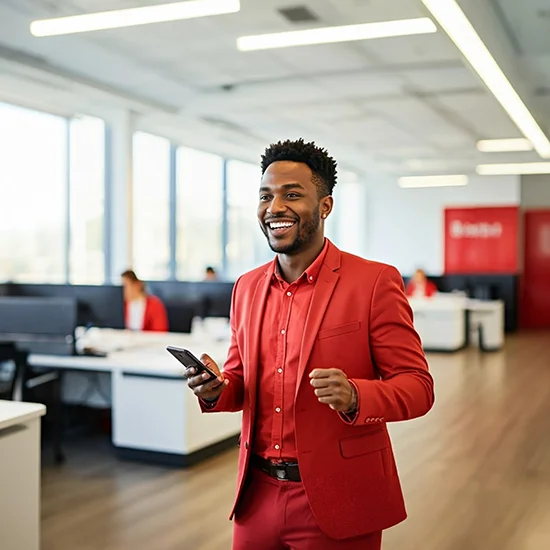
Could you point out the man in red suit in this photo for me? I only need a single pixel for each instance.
(323, 355)
(142, 311)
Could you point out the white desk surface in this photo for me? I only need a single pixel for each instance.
(451, 302)
(13, 413)
(143, 353)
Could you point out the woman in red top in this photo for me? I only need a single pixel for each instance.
(420, 286)
(141, 310)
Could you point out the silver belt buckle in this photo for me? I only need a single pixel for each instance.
(281, 473)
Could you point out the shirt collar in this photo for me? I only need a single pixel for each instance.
(311, 273)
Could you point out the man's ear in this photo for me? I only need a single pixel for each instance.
(326, 206)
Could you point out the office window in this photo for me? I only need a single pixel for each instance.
(199, 213)
(151, 212)
(33, 204)
(246, 244)
(87, 197)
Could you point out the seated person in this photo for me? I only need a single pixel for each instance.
(141, 310)
(210, 274)
(419, 286)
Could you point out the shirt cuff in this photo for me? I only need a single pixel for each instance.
(352, 418)
(209, 404)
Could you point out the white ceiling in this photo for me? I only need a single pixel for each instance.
(396, 105)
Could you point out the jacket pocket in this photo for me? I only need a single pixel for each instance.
(339, 330)
(366, 443)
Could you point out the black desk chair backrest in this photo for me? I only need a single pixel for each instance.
(13, 367)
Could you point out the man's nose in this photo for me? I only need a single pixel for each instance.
(277, 206)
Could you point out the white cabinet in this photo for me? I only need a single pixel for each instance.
(20, 475)
(150, 412)
(160, 414)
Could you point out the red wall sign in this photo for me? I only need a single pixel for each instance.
(481, 240)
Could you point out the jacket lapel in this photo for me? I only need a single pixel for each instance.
(324, 288)
(257, 308)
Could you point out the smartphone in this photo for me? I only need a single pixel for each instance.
(187, 359)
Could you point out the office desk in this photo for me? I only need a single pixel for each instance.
(20, 475)
(486, 323)
(448, 322)
(154, 414)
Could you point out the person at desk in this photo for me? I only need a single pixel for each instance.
(142, 311)
(210, 274)
(323, 355)
(420, 286)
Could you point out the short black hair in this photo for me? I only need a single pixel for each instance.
(320, 163)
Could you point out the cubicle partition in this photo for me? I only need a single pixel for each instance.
(98, 305)
(39, 325)
(205, 298)
(485, 287)
(103, 305)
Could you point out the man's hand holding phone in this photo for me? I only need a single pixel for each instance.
(202, 384)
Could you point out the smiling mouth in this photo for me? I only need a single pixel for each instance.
(279, 229)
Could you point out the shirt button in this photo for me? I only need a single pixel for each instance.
(279, 371)
(283, 331)
(278, 410)
(289, 293)
(310, 278)
(277, 447)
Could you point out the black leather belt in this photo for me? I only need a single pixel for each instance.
(283, 471)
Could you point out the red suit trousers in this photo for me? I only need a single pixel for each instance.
(275, 515)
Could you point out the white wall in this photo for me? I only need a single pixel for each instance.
(346, 225)
(405, 226)
(535, 191)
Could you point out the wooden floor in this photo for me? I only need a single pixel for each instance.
(475, 471)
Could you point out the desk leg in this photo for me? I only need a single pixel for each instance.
(467, 325)
(57, 418)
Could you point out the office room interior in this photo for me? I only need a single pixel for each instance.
(130, 169)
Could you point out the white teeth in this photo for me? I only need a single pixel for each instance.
(280, 225)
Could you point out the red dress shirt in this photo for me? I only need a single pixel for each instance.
(155, 318)
(284, 319)
(429, 289)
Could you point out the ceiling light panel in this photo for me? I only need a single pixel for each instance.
(504, 145)
(433, 181)
(331, 35)
(455, 23)
(513, 169)
(147, 15)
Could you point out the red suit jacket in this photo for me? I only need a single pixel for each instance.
(429, 288)
(360, 321)
(155, 318)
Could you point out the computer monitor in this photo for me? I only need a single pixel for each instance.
(39, 325)
(208, 298)
(98, 305)
(217, 298)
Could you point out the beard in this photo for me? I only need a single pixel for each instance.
(305, 234)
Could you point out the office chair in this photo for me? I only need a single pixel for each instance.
(17, 381)
(13, 367)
